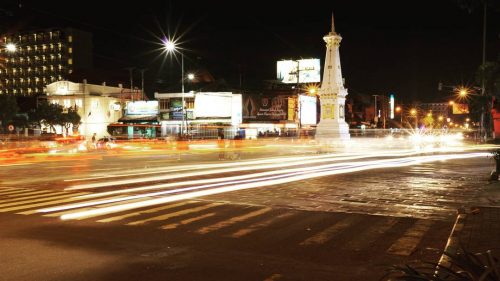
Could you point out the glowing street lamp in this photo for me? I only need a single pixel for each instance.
(399, 110)
(11, 47)
(463, 92)
(171, 47)
(451, 102)
(190, 76)
(413, 112)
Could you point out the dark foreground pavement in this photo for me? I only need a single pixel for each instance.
(300, 245)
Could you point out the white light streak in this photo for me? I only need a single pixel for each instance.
(354, 167)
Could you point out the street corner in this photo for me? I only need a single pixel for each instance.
(490, 195)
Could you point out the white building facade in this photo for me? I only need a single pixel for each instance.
(200, 108)
(97, 105)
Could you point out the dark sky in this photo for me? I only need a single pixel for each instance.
(405, 47)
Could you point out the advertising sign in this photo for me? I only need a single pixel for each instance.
(236, 114)
(265, 107)
(308, 71)
(212, 105)
(391, 106)
(307, 110)
(176, 109)
(142, 108)
(460, 108)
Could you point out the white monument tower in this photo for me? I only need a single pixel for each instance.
(332, 125)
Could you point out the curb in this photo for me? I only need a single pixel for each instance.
(452, 245)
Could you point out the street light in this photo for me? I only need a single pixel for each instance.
(400, 111)
(171, 47)
(413, 112)
(11, 47)
(463, 93)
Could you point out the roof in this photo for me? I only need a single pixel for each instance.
(138, 118)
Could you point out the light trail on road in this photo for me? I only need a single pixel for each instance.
(235, 184)
(277, 163)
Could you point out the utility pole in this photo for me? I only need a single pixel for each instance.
(130, 70)
(483, 90)
(375, 118)
(142, 82)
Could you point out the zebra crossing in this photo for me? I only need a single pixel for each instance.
(232, 221)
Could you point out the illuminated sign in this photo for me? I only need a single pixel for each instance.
(142, 108)
(265, 107)
(308, 71)
(307, 110)
(213, 105)
(391, 104)
(237, 113)
(460, 108)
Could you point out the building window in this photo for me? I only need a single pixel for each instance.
(70, 50)
(70, 61)
(70, 38)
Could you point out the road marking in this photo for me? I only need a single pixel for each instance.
(175, 214)
(148, 211)
(57, 214)
(407, 244)
(7, 189)
(39, 199)
(371, 234)
(274, 277)
(40, 204)
(32, 196)
(231, 221)
(258, 225)
(9, 192)
(328, 233)
(186, 221)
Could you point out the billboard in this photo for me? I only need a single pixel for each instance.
(460, 108)
(265, 107)
(237, 115)
(142, 108)
(213, 105)
(308, 71)
(307, 110)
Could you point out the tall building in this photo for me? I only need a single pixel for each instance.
(332, 124)
(33, 59)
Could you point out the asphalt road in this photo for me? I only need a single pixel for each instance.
(231, 216)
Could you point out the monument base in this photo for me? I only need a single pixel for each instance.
(330, 130)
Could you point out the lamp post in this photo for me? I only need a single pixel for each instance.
(170, 47)
(400, 111)
(413, 112)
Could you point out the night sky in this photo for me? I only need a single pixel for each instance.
(403, 47)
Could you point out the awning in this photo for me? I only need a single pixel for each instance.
(138, 118)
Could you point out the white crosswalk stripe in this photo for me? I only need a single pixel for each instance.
(187, 221)
(407, 244)
(328, 233)
(175, 214)
(148, 211)
(24, 197)
(259, 225)
(231, 221)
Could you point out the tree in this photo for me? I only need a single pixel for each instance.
(8, 109)
(47, 114)
(428, 121)
(70, 118)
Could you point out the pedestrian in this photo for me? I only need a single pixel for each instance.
(221, 143)
(94, 144)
